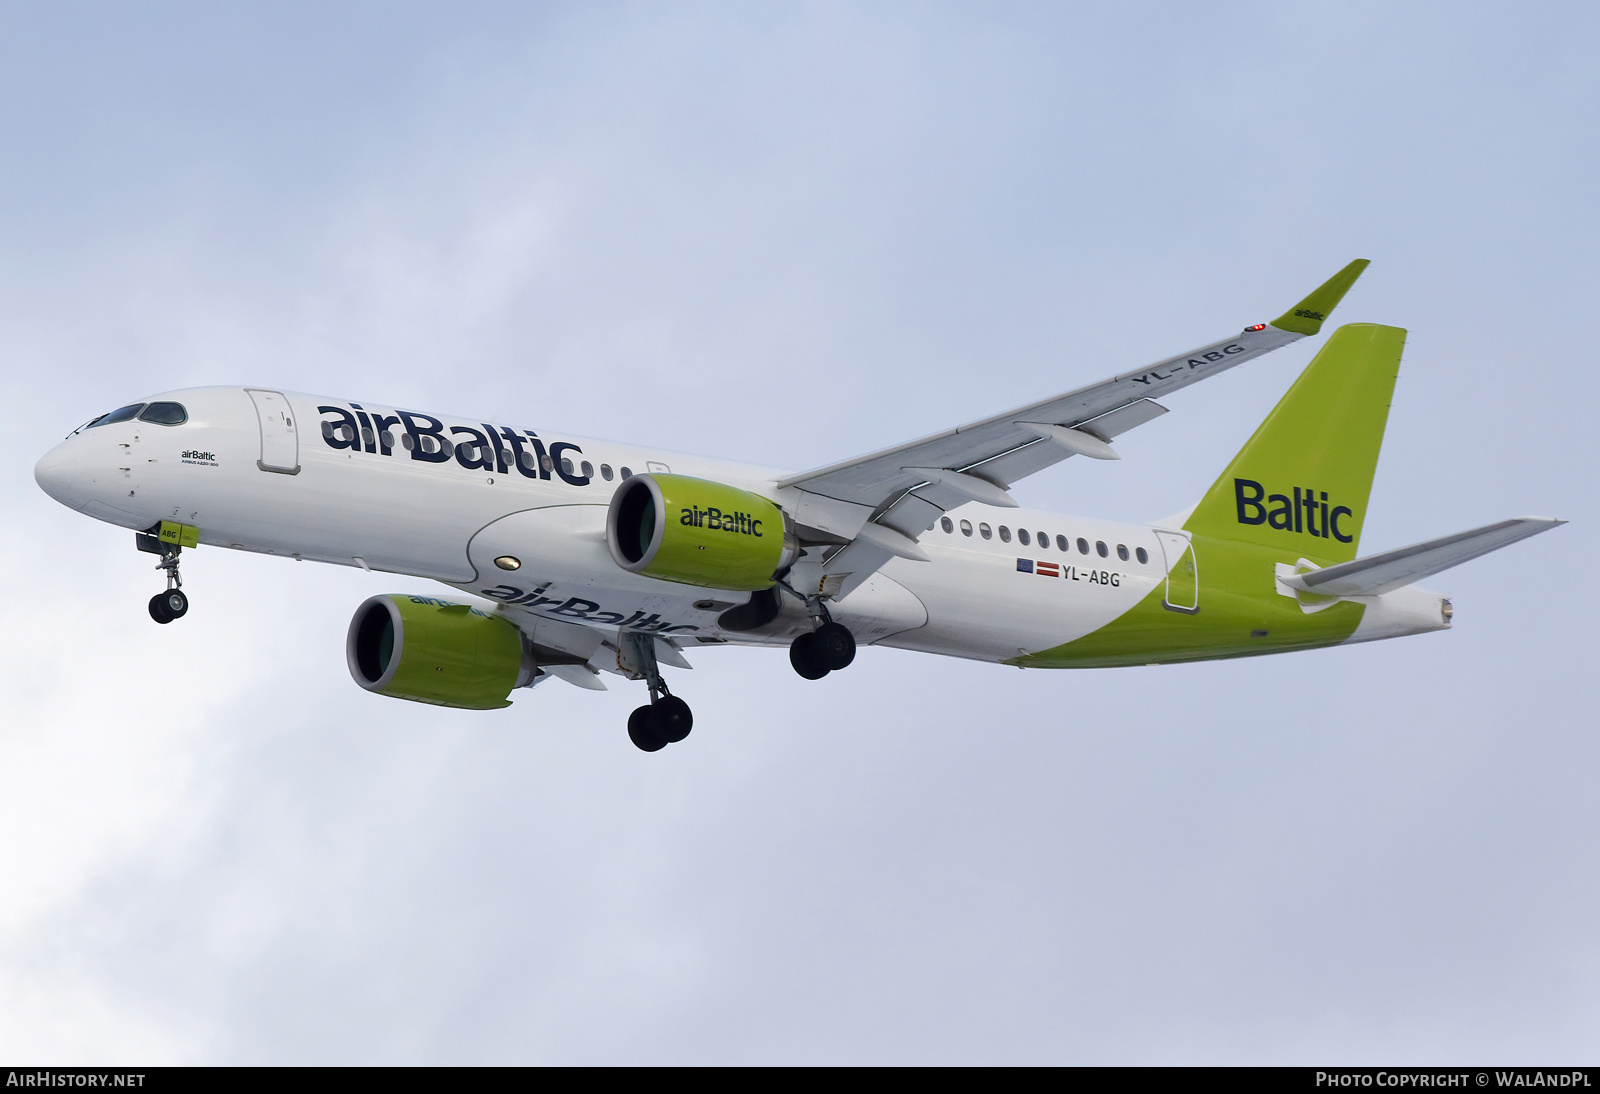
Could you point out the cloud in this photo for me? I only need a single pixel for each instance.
(788, 236)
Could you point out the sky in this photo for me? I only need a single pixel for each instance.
(793, 233)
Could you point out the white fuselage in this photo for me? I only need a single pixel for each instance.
(448, 514)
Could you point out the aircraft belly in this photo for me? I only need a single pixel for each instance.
(564, 570)
(879, 608)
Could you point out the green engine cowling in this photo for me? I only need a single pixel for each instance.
(434, 651)
(698, 532)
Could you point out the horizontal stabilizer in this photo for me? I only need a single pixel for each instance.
(1378, 574)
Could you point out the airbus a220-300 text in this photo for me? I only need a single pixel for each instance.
(583, 558)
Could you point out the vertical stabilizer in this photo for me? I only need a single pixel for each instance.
(1302, 481)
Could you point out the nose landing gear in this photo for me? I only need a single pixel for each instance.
(666, 719)
(174, 603)
(167, 606)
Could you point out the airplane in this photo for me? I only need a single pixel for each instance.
(583, 557)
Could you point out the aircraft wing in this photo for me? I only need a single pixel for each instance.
(1382, 573)
(898, 493)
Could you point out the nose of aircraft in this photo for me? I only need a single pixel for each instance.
(57, 475)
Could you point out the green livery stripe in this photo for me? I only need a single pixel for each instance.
(1240, 614)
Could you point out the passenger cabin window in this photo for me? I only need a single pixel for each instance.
(1022, 536)
(588, 469)
(1122, 551)
(966, 527)
(1005, 534)
(165, 414)
(605, 471)
(1083, 546)
(983, 530)
(944, 522)
(627, 473)
(1141, 554)
(566, 466)
(1100, 548)
(1063, 544)
(125, 414)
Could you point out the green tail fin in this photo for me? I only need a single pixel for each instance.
(1303, 480)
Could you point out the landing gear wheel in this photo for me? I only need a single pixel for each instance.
(177, 603)
(645, 731)
(673, 718)
(802, 655)
(158, 608)
(833, 646)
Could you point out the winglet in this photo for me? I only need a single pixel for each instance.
(1306, 317)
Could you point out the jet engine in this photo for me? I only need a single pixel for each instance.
(698, 532)
(434, 651)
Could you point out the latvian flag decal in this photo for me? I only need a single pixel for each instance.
(1047, 569)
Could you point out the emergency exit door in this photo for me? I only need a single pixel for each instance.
(280, 442)
(1183, 576)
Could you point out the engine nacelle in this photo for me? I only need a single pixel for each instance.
(698, 532)
(433, 651)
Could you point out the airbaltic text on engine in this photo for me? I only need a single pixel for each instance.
(715, 519)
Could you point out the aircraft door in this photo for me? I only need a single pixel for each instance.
(280, 442)
(1183, 576)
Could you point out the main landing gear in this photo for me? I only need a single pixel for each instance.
(174, 603)
(663, 721)
(666, 719)
(826, 649)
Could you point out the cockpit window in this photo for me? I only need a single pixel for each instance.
(164, 414)
(126, 414)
